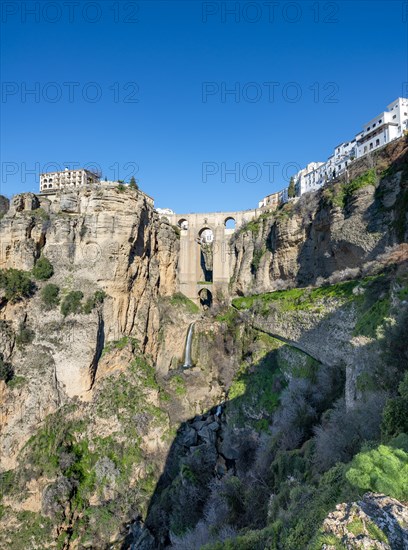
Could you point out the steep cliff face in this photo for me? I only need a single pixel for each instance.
(107, 441)
(109, 241)
(340, 227)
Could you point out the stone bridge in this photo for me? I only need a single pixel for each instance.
(194, 230)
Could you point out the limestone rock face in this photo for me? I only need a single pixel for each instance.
(96, 239)
(377, 521)
(322, 233)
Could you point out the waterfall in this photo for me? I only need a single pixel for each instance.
(187, 352)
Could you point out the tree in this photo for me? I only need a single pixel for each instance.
(72, 303)
(50, 296)
(133, 184)
(43, 269)
(291, 188)
(6, 370)
(16, 284)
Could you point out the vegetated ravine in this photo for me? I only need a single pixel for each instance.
(276, 419)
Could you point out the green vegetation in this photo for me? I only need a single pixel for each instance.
(256, 258)
(178, 385)
(382, 470)
(254, 393)
(93, 302)
(121, 188)
(16, 284)
(72, 303)
(395, 414)
(132, 184)
(24, 336)
(338, 194)
(291, 188)
(40, 214)
(121, 344)
(50, 296)
(298, 299)
(43, 269)
(179, 299)
(6, 370)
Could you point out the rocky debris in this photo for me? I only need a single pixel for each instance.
(375, 522)
(139, 538)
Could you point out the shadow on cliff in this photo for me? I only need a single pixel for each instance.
(223, 440)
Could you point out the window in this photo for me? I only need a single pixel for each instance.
(395, 116)
(368, 128)
(374, 125)
(371, 145)
(379, 122)
(377, 142)
(365, 149)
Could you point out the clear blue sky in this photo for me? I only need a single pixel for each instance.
(347, 61)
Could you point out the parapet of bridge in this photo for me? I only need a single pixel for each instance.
(191, 228)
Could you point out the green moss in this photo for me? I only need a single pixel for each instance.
(356, 526)
(253, 396)
(371, 319)
(375, 532)
(178, 384)
(298, 299)
(181, 300)
(382, 470)
(327, 539)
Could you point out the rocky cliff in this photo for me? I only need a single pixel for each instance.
(106, 442)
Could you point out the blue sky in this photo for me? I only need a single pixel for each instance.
(142, 88)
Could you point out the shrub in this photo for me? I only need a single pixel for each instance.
(6, 370)
(121, 187)
(133, 185)
(72, 303)
(16, 284)
(382, 470)
(93, 301)
(395, 415)
(25, 335)
(43, 269)
(50, 296)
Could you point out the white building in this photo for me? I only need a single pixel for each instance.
(52, 181)
(309, 178)
(165, 211)
(385, 127)
(379, 131)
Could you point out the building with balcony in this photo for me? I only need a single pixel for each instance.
(51, 182)
(381, 130)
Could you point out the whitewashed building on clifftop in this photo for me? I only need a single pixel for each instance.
(384, 128)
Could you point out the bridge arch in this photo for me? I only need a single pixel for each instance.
(206, 235)
(230, 223)
(205, 297)
(183, 223)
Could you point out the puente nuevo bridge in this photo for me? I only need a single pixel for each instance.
(213, 229)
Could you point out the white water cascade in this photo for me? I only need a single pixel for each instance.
(187, 352)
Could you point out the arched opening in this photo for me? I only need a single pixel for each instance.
(229, 223)
(206, 235)
(205, 298)
(183, 223)
(205, 242)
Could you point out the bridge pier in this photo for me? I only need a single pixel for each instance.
(190, 272)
